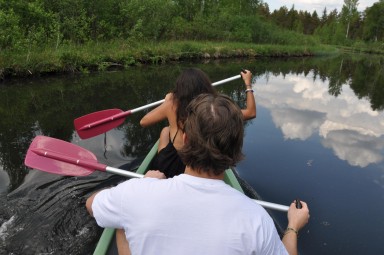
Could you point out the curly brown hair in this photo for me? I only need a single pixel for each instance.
(214, 128)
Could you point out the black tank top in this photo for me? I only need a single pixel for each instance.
(168, 160)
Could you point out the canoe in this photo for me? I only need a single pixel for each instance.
(107, 242)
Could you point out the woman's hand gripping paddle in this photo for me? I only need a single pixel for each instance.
(97, 123)
(59, 157)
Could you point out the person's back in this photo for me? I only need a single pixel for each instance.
(192, 215)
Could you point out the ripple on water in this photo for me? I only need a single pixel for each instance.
(4, 227)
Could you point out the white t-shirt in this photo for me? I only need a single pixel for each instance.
(187, 215)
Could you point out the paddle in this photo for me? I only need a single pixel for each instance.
(96, 123)
(59, 157)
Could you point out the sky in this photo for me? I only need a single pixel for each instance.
(318, 5)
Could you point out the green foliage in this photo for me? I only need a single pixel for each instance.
(349, 16)
(10, 33)
(145, 19)
(374, 22)
(75, 35)
(342, 28)
(71, 61)
(120, 54)
(65, 22)
(332, 33)
(25, 24)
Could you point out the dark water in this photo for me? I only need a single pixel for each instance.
(318, 136)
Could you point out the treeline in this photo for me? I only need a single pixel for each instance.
(29, 23)
(35, 23)
(343, 28)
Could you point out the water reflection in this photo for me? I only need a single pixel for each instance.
(302, 107)
(337, 100)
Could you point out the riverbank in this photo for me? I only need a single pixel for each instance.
(122, 54)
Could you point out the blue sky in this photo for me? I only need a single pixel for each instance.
(318, 5)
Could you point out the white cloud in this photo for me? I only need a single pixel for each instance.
(297, 124)
(356, 148)
(301, 107)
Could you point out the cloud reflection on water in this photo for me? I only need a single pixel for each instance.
(301, 107)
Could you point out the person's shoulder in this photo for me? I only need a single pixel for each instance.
(136, 183)
(169, 97)
(168, 100)
(249, 204)
(250, 208)
(169, 105)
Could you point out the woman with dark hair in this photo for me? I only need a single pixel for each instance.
(191, 83)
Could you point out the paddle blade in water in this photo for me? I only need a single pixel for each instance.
(63, 150)
(97, 123)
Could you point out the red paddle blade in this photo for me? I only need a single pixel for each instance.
(56, 166)
(97, 123)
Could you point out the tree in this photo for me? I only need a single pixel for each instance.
(307, 21)
(72, 18)
(373, 29)
(349, 13)
(10, 34)
(324, 17)
(263, 10)
(291, 17)
(147, 19)
(328, 32)
(279, 16)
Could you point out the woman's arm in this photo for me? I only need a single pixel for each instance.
(159, 113)
(250, 111)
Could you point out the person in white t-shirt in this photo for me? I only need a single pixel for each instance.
(196, 212)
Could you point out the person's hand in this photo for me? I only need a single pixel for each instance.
(247, 77)
(298, 218)
(155, 174)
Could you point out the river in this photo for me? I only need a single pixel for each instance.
(318, 136)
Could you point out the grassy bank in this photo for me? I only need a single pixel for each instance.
(368, 48)
(122, 54)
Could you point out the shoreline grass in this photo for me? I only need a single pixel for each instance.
(122, 54)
